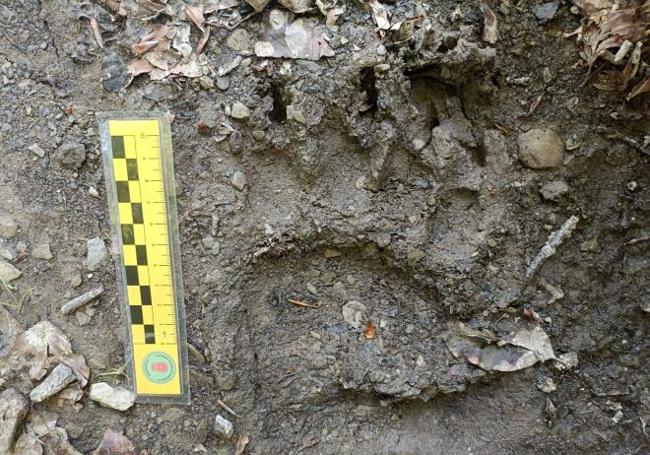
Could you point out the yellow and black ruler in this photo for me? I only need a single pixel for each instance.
(139, 173)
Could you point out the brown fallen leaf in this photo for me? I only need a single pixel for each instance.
(219, 5)
(195, 14)
(203, 41)
(369, 331)
(608, 81)
(133, 9)
(535, 104)
(490, 32)
(605, 29)
(139, 66)
(632, 65)
(242, 442)
(642, 87)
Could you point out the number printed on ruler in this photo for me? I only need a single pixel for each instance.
(146, 253)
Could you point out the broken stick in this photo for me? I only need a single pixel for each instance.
(554, 240)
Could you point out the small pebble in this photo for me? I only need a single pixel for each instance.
(57, 380)
(42, 251)
(112, 397)
(8, 226)
(8, 272)
(239, 111)
(97, 253)
(238, 180)
(541, 148)
(223, 83)
(36, 150)
(222, 427)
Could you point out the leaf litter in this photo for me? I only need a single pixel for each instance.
(615, 34)
(285, 36)
(520, 349)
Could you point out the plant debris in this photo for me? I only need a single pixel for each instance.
(615, 34)
(519, 350)
(490, 32)
(380, 15)
(76, 303)
(554, 240)
(369, 331)
(284, 36)
(242, 442)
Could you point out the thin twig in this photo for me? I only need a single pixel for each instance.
(645, 238)
(302, 304)
(227, 408)
(232, 26)
(609, 134)
(96, 32)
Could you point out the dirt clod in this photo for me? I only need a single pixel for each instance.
(541, 148)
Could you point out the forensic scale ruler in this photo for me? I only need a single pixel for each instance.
(139, 174)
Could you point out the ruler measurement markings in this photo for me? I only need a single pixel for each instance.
(148, 190)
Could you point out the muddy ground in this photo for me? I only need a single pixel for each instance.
(399, 187)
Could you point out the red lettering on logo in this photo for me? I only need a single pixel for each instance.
(159, 367)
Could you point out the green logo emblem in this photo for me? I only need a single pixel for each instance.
(159, 367)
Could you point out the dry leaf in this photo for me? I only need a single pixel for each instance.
(632, 65)
(242, 442)
(195, 14)
(535, 104)
(643, 87)
(136, 9)
(282, 36)
(189, 69)
(490, 32)
(218, 5)
(139, 66)
(369, 331)
(380, 15)
(202, 43)
(333, 15)
(517, 351)
(159, 38)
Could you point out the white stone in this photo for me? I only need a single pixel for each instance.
(112, 397)
(238, 180)
(97, 253)
(223, 427)
(36, 150)
(354, 313)
(240, 111)
(13, 409)
(8, 272)
(8, 226)
(42, 251)
(57, 380)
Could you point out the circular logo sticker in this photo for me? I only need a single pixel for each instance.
(159, 367)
